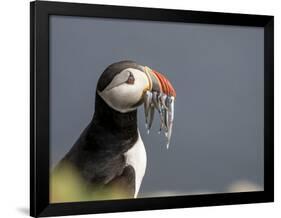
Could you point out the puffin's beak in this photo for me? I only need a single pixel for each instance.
(160, 95)
(159, 83)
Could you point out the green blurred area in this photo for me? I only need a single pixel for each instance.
(66, 185)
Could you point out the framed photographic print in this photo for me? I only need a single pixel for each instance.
(141, 109)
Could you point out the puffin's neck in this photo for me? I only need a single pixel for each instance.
(113, 120)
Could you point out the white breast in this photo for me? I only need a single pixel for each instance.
(136, 157)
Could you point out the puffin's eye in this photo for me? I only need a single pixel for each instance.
(131, 79)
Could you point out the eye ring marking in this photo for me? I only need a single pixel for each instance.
(131, 79)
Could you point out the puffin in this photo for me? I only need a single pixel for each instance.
(110, 154)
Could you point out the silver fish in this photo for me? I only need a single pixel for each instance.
(147, 103)
(162, 120)
(160, 110)
(168, 105)
(151, 116)
(163, 100)
(165, 106)
(155, 101)
(170, 120)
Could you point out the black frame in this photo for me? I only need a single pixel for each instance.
(39, 107)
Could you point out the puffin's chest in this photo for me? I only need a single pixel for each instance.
(136, 157)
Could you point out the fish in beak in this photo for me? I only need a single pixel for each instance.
(159, 96)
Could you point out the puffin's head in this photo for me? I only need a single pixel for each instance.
(123, 85)
(126, 85)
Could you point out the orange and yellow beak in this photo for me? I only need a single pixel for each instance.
(159, 83)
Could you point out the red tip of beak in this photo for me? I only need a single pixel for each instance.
(166, 86)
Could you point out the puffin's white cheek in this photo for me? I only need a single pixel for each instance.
(126, 95)
(123, 97)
